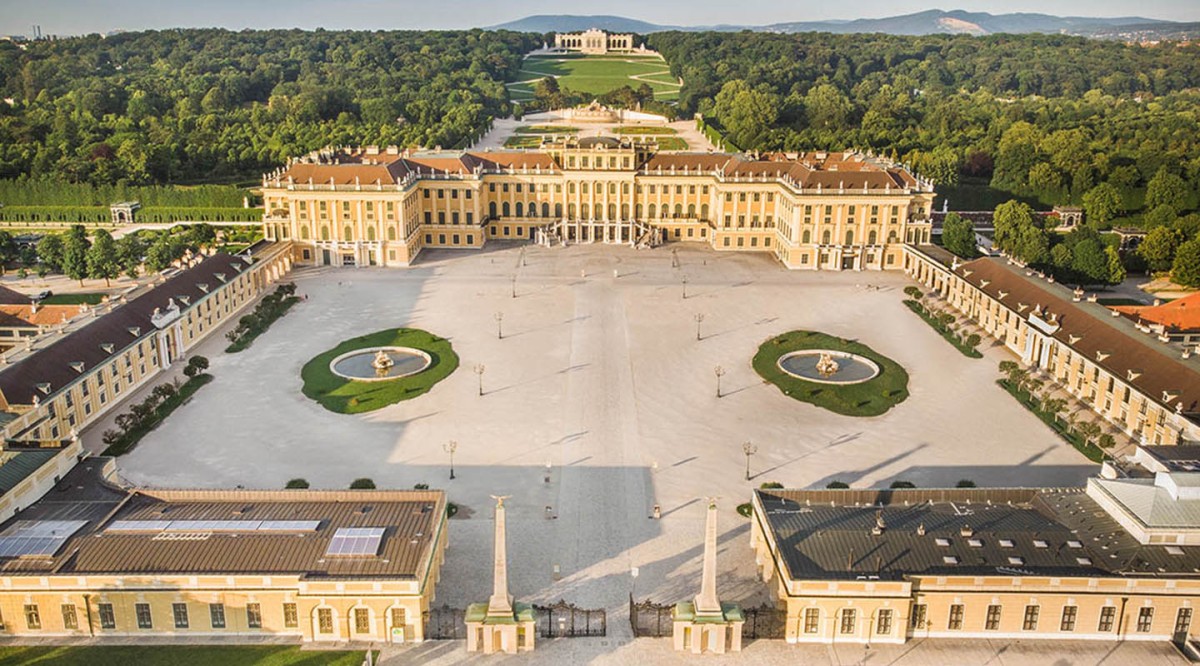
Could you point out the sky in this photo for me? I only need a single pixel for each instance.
(73, 17)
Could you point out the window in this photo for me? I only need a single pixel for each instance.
(254, 616)
(144, 619)
(325, 620)
(33, 619)
(883, 625)
(216, 615)
(181, 615)
(1183, 621)
(1031, 618)
(1145, 620)
(70, 618)
(812, 620)
(1068, 618)
(362, 621)
(956, 617)
(108, 619)
(399, 617)
(849, 617)
(917, 621)
(290, 618)
(993, 618)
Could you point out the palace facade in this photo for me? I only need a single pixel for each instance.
(817, 211)
(101, 561)
(1149, 390)
(594, 42)
(888, 566)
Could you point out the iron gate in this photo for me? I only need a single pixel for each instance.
(650, 619)
(765, 621)
(445, 623)
(564, 620)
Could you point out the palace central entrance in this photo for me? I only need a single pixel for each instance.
(630, 232)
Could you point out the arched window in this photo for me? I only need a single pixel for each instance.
(612, 211)
(624, 188)
(492, 209)
(891, 236)
(704, 211)
(585, 211)
(520, 209)
(637, 211)
(612, 188)
(532, 210)
(571, 188)
(391, 233)
(583, 188)
(652, 210)
(558, 210)
(546, 209)
(370, 233)
(825, 237)
(303, 233)
(692, 211)
(678, 211)
(324, 232)
(807, 238)
(505, 210)
(571, 211)
(347, 232)
(849, 237)
(624, 211)
(872, 237)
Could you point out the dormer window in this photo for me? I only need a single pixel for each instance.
(77, 366)
(984, 283)
(1003, 294)
(1039, 543)
(44, 387)
(1006, 543)
(1100, 355)
(1168, 396)
(949, 559)
(135, 331)
(1016, 560)
(220, 276)
(107, 347)
(186, 300)
(942, 542)
(1072, 339)
(203, 286)
(1133, 373)
(1074, 544)
(975, 543)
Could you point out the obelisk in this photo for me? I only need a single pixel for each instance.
(707, 604)
(500, 603)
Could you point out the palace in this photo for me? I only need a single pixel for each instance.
(594, 42)
(818, 210)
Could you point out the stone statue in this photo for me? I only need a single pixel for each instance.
(382, 362)
(826, 366)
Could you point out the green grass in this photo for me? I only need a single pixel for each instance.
(345, 396)
(950, 336)
(164, 409)
(178, 655)
(644, 130)
(870, 398)
(1090, 451)
(594, 75)
(546, 129)
(524, 141)
(74, 299)
(671, 143)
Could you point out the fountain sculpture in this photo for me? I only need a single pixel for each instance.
(382, 362)
(826, 366)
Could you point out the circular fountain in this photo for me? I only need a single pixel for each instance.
(380, 363)
(824, 366)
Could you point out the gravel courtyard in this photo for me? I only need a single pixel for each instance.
(599, 375)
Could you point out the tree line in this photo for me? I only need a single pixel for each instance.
(102, 257)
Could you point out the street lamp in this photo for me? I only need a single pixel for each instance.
(699, 318)
(674, 257)
(684, 280)
(450, 448)
(719, 372)
(514, 285)
(499, 325)
(479, 371)
(749, 449)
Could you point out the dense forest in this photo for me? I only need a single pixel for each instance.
(213, 105)
(1044, 117)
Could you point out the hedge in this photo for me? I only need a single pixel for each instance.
(102, 214)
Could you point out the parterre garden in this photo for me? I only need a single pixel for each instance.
(596, 75)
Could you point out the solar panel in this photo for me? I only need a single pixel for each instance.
(213, 526)
(137, 526)
(289, 526)
(355, 542)
(37, 538)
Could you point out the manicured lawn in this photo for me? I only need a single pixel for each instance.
(523, 141)
(870, 398)
(546, 129)
(178, 655)
(644, 130)
(671, 143)
(74, 299)
(594, 75)
(1119, 301)
(346, 396)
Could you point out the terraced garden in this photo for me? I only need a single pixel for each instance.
(596, 75)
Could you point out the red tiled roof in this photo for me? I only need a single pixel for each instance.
(1177, 316)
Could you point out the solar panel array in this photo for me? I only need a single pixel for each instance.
(213, 526)
(355, 542)
(37, 538)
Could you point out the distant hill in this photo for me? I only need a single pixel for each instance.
(934, 21)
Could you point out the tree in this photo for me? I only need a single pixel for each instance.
(74, 256)
(826, 107)
(958, 235)
(745, 112)
(1088, 430)
(1102, 203)
(965, 483)
(201, 235)
(1106, 441)
(1185, 269)
(362, 484)
(1016, 155)
(195, 366)
(1089, 262)
(914, 292)
(103, 262)
(130, 250)
(8, 250)
(50, 251)
(1158, 248)
(1166, 189)
(1018, 234)
(297, 484)
(1116, 268)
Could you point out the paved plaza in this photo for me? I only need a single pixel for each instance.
(600, 377)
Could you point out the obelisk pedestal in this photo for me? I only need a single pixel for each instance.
(705, 624)
(500, 625)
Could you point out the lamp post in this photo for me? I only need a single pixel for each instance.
(684, 280)
(514, 285)
(499, 325)
(699, 317)
(479, 368)
(749, 449)
(719, 372)
(450, 448)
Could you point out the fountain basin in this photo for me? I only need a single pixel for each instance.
(359, 364)
(852, 368)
